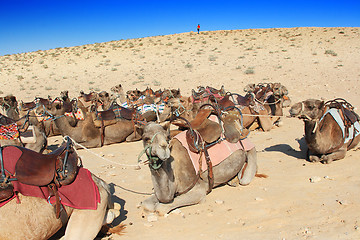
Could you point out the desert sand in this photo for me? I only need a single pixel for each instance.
(322, 63)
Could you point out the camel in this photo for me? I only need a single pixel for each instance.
(327, 139)
(25, 119)
(175, 181)
(34, 218)
(87, 134)
(252, 111)
(119, 93)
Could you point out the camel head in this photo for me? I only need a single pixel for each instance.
(279, 90)
(56, 108)
(10, 105)
(311, 109)
(156, 143)
(183, 107)
(133, 95)
(9, 101)
(64, 95)
(250, 87)
(104, 99)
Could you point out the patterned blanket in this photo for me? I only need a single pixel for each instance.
(9, 132)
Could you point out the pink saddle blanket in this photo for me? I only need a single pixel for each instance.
(217, 152)
(82, 193)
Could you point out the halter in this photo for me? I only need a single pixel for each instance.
(154, 161)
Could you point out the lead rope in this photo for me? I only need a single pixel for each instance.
(108, 160)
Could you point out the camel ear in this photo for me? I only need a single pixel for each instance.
(320, 104)
(166, 125)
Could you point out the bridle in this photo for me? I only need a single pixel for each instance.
(154, 161)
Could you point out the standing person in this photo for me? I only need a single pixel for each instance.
(198, 28)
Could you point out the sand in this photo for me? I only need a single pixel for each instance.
(321, 63)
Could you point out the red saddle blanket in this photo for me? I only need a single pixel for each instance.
(217, 152)
(81, 194)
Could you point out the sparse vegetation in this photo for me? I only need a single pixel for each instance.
(331, 52)
(188, 65)
(250, 70)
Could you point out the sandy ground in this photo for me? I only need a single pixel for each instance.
(321, 63)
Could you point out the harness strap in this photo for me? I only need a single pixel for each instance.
(210, 170)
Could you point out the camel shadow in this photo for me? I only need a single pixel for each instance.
(290, 151)
(123, 213)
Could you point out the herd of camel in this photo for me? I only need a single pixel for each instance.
(182, 138)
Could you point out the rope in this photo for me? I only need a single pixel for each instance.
(132, 191)
(258, 115)
(121, 164)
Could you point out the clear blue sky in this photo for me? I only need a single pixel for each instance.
(31, 25)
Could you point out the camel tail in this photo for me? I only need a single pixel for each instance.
(261, 175)
(108, 229)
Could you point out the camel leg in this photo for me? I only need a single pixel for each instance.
(328, 158)
(251, 167)
(194, 196)
(133, 137)
(265, 121)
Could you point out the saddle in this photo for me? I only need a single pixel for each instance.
(109, 117)
(225, 102)
(347, 113)
(53, 170)
(27, 105)
(220, 91)
(200, 94)
(245, 101)
(209, 130)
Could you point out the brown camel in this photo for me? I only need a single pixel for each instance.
(252, 112)
(87, 134)
(327, 134)
(176, 183)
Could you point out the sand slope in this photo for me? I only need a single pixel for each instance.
(310, 62)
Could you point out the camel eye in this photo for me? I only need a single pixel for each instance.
(146, 139)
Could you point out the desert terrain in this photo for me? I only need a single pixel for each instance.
(321, 63)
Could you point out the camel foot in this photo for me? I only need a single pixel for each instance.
(233, 182)
(162, 209)
(149, 204)
(314, 158)
(325, 159)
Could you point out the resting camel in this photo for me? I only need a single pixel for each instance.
(34, 218)
(176, 183)
(87, 134)
(252, 111)
(331, 128)
(24, 120)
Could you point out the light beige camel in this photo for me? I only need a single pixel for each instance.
(175, 181)
(323, 134)
(34, 218)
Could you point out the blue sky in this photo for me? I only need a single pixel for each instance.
(31, 25)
